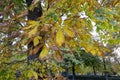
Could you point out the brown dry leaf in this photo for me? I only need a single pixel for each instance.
(59, 56)
(54, 47)
(22, 14)
(9, 7)
(36, 49)
(31, 51)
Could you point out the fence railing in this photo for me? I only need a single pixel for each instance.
(80, 77)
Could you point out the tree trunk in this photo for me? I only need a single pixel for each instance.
(66, 71)
(106, 73)
(104, 64)
(94, 70)
(33, 15)
(73, 70)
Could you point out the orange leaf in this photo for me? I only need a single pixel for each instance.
(100, 53)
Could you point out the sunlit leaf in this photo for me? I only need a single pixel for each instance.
(28, 27)
(44, 53)
(93, 52)
(60, 38)
(32, 32)
(60, 20)
(88, 48)
(69, 32)
(100, 53)
(36, 40)
(31, 74)
(73, 43)
(31, 24)
(115, 2)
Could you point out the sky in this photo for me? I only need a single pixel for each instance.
(94, 33)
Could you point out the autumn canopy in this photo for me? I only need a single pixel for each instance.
(48, 29)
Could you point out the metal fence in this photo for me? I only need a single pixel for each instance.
(80, 77)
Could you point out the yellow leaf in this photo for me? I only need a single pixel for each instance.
(69, 32)
(115, 2)
(32, 73)
(31, 24)
(100, 53)
(28, 27)
(83, 44)
(72, 43)
(93, 52)
(32, 32)
(88, 48)
(60, 20)
(36, 40)
(67, 22)
(56, 24)
(60, 39)
(44, 52)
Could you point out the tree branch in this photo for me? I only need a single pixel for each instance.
(14, 62)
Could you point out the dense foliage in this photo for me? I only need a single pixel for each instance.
(63, 26)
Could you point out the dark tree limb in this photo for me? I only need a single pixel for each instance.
(14, 62)
(36, 13)
(33, 15)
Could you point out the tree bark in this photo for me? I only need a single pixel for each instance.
(73, 70)
(33, 15)
(94, 70)
(36, 12)
(104, 64)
